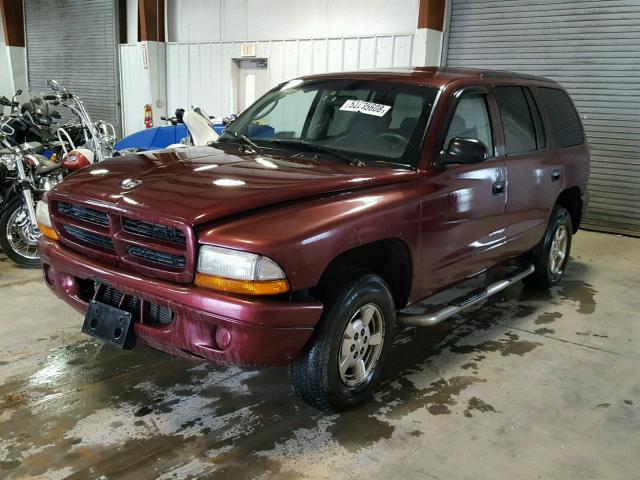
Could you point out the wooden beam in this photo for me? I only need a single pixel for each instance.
(12, 22)
(431, 14)
(122, 21)
(151, 20)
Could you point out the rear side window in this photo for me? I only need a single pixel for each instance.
(517, 120)
(564, 117)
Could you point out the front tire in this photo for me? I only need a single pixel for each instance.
(344, 360)
(18, 239)
(551, 255)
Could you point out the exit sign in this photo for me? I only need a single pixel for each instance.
(248, 50)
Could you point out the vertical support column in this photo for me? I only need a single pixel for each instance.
(428, 37)
(13, 55)
(150, 71)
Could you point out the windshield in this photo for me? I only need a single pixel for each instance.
(373, 122)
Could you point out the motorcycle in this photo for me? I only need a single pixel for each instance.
(24, 179)
(34, 127)
(178, 131)
(97, 138)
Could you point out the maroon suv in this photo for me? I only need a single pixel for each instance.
(326, 209)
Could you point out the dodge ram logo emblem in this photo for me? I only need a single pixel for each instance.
(130, 183)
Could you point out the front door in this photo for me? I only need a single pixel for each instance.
(463, 205)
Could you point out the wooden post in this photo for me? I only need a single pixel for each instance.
(151, 20)
(12, 22)
(431, 14)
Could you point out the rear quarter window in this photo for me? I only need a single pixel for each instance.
(563, 115)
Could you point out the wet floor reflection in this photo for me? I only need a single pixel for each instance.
(95, 410)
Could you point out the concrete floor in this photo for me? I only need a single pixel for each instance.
(526, 385)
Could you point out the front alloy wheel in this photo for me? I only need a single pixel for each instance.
(342, 363)
(362, 342)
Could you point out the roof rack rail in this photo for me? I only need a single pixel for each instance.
(501, 73)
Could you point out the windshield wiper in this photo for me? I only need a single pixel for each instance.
(315, 147)
(246, 140)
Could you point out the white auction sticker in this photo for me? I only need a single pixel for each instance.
(367, 108)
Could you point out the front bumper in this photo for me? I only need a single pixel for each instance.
(260, 332)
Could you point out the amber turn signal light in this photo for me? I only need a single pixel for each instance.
(247, 287)
(48, 232)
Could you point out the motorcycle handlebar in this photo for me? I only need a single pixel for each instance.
(64, 96)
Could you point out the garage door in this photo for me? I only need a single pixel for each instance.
(74, 42)
(593, 49)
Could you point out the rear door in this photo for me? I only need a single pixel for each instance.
(531, 167)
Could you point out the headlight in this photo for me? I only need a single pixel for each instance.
(9, 160)
(239, 272)
(44, 220)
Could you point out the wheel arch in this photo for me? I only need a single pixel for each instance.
(571, 199)
(390, 258)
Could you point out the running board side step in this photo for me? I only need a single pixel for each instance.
(459, 304)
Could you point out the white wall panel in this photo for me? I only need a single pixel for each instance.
(305, 54)
(335, 55)
(134, 84)
(200, 74)
(367, 53)
(350, 56)
(384, 52)
(320, 55)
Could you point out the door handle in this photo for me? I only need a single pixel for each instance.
(498, 187)
(555, 175)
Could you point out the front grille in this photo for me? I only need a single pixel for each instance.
(141, 310)
(89, 237)
(83, 213)
(154, 256)
(155, 231)
(103, 232)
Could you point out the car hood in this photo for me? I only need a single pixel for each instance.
(202, 184)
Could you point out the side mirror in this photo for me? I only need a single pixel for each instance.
(463, 151)
(55, 114)
(5, 101)
(19, 92)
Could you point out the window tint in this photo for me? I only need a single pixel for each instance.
(564, 117)
(471, 120)
(517, 122)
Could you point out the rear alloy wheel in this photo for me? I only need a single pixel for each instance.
(343, 362)
(551, 255)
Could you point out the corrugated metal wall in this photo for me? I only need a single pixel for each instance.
(593, 49)
(74, 42)
(200, 73)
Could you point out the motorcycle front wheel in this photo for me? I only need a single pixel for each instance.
(18, 238)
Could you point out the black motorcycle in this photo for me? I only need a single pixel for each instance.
(25, 176)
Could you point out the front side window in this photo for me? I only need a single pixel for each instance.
(471, 120)
(381, 123)
(564, 117)
(517, 121)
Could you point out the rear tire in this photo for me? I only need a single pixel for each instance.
(343, 362)
(551, 255)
